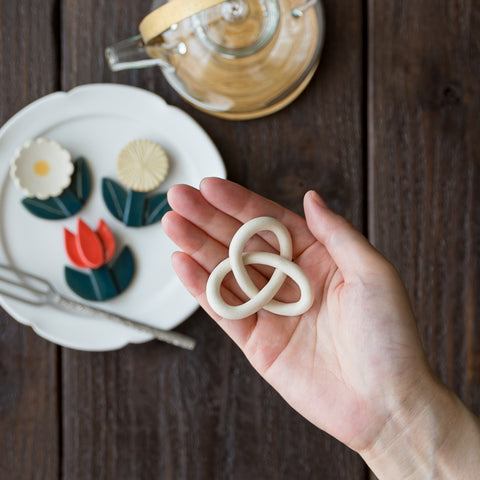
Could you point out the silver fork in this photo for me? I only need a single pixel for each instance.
(44, 293)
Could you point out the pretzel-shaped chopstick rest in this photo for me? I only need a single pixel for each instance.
(236, 262)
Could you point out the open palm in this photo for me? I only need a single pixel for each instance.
(347, 362)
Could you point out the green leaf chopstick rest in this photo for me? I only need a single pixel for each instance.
(70, 201)
(134, 209)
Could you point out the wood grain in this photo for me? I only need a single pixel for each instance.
(153, 411)
(424, 171)
(29, 420)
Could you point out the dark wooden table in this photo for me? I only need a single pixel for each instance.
(388, 131)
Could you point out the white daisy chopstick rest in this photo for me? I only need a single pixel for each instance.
(258, 299)
(42, 168)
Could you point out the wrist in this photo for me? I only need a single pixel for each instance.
(428, 435)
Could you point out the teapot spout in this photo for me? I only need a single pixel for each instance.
(133, 53)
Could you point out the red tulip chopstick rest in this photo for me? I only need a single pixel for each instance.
(93, 251)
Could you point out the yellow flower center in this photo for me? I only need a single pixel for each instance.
(41, 168)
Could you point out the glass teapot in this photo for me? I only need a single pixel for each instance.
(236, 59)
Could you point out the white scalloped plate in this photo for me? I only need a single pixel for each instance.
(96, 121)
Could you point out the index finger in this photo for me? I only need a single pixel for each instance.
(243, 204)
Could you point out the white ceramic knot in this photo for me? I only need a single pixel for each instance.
(263, 298)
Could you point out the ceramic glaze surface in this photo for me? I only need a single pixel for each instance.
(97, 121)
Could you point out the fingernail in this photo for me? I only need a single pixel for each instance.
(316, 198)
(205, 181)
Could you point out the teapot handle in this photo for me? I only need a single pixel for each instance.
(174, 11)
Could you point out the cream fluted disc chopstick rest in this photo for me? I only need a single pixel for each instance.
(238, 259)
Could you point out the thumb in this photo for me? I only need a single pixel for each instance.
(349, 249)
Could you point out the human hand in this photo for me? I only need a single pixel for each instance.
(349, 362)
